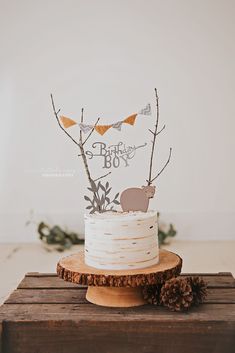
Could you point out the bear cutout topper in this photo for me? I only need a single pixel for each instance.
(137, 199)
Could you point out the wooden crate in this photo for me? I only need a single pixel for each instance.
(45, 314)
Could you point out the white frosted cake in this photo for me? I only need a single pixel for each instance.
(121, 241)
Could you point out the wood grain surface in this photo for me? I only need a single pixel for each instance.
(46, 314)
(73, 269)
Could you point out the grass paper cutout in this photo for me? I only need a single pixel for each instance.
(101, 203)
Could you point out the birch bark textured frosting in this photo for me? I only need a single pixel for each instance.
(121, 241)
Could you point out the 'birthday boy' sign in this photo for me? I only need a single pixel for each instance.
(113, 155)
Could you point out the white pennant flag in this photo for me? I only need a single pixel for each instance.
(85, 128)
(117, 125)
(146, 110)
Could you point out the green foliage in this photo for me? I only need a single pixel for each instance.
(57, 236)
(163, 235)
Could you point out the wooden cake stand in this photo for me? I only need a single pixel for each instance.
(122, 288)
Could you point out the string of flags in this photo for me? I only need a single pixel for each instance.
(101, 129)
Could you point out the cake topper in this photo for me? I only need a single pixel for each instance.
(137, 199)
(112, 155)
(132, 199)
(101, 203)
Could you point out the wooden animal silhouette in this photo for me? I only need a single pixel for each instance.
(137, 199)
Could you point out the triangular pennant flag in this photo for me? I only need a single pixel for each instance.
(146, 110)
(117, 125)
(101, 129)
(130, 119)
(85, 128)
(67, 122)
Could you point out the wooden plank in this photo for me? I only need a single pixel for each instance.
(47, 282)
(52, 281)
(39, 274)
(89, 312)
(216, 280)
(207, 274)
(51, 296)
(64, 321)
(221, 295)
(47, 296)
(51, 274)
(118, 336)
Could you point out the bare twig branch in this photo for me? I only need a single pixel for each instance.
(83, 154)
(82, 111)
(151, 131)
(91, 131)
(140, 146)
(161, 130)
(85, 163)
(58, 121)
(80, 145)
(158, 131)
(154, 139)
(103, 176)
(168, 160)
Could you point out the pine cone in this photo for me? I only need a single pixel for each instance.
(152, 294)
(177, 294)
(199, 289)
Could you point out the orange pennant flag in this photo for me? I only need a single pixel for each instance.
(130, 119)
(67, 122)
(101, 129)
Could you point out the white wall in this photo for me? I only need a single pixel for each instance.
(108, 56)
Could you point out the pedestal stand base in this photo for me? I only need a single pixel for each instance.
(118, 288)
(115, 296)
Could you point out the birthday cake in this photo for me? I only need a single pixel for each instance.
(121, 241)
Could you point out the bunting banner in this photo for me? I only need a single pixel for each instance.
(102, 129)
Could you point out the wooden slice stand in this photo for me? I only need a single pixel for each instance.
(122, 288)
